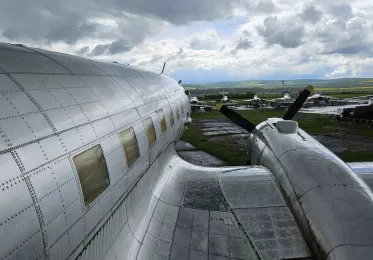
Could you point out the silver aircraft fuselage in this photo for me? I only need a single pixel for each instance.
(88, 170)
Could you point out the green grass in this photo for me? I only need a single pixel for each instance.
(311, 123)
(220, 149)
(352, 156)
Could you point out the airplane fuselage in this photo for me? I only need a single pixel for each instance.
(76, 136)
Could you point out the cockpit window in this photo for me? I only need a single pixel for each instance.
(131, 148)
(92, 172)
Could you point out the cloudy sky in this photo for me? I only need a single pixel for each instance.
(204, 40)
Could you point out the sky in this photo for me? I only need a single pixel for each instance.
(204, 40)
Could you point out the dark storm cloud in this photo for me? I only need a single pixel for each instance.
(287, 35)
(71, 29)
(311, 14)
(180, 12)
(49, 21)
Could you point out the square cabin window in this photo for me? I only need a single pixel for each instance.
(131, 148)
(177, 113)
(172, 117)
(150, 131)
(162, 120)
(92, 172)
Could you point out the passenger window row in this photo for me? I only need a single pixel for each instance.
(91, 165)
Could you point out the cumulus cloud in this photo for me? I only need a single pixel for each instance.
(288, 35)
(117, 46)
(311, 14)
(83, 51)
(70, 21)
(243, 43)
(207, 40)
(257, 37)
(343, 11)
(264, 6)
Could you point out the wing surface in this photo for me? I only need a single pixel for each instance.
(194, 212)
(365, 171)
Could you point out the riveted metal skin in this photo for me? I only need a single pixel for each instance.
(55, 106)
(332, 205)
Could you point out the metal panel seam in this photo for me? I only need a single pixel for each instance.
(35, 202)
(49, 58)
(33, 101)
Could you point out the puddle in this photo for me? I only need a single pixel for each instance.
(200, 158)
(223, 132)
(184, 146)
(325, 110)
(340, 143)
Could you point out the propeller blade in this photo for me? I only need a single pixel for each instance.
(236, 118)
(298, 103)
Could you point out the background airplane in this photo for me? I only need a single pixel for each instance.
(89, 171)
(318, 97)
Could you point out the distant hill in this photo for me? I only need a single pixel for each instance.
(268, 84)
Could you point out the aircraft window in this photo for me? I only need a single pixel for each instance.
(150, 131)
(177, 113)
(92, 172)
(129, 142)
(162, 121)
(172, 117)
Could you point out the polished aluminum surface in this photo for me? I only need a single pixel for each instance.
(54, 106)
(331, 204)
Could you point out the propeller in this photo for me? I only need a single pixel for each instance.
(298, 103)
(249, 126)
(236, 118)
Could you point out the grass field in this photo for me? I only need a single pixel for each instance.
(311, 123)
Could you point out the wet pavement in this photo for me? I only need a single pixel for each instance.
(333, 110)
(184, 146)
(200, 158)
(189, 153)
(338, 143)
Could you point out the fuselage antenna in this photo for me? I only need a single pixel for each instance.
(164, 65)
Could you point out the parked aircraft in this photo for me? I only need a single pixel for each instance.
(224, 99)
(89, 171)
(318, 97)
(286, 100)
(255, 99)
(194, 100)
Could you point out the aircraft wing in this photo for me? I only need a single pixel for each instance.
(365, 171)
(212, 213)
